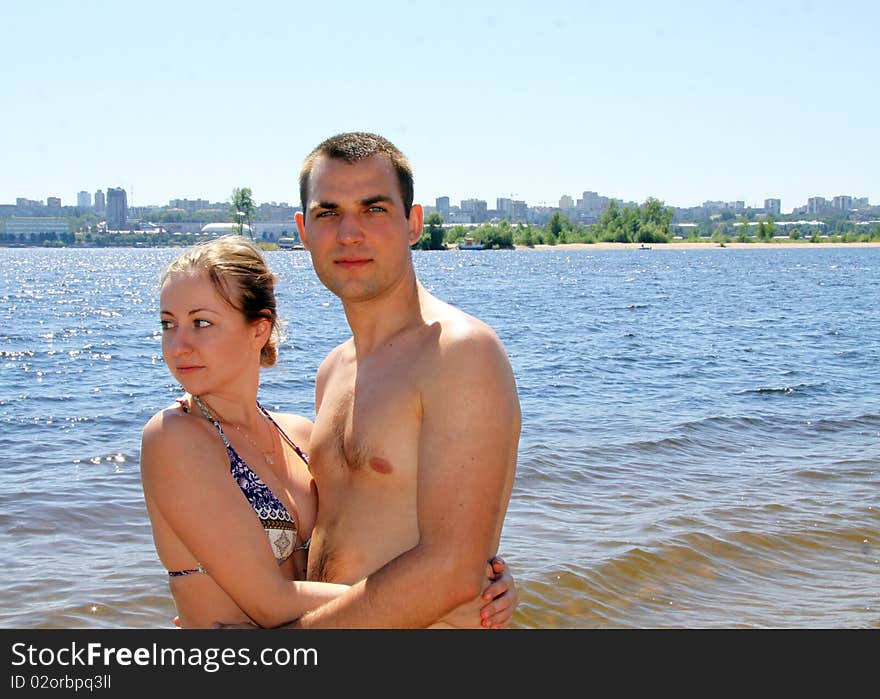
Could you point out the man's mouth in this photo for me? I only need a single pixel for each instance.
(352, 262)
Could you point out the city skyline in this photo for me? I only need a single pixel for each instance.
(685, 102)
(833, 202)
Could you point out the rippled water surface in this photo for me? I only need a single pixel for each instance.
(700, 445)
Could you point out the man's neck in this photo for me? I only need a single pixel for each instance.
(374, 322)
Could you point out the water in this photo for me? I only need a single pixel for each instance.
(700, 444)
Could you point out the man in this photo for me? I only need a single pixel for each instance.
(417, 417)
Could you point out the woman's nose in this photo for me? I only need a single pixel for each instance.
(178, 342)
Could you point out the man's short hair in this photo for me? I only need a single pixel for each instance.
(353, 147)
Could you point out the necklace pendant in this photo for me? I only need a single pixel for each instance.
(269, 459)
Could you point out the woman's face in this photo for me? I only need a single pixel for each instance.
(206, 343)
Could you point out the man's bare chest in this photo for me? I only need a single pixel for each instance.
(367, 425)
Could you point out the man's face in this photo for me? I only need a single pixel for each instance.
(355, 228)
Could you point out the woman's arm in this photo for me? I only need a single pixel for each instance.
(194, 503)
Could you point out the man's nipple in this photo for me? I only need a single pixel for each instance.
(380, 465)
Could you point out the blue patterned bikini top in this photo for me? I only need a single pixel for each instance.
(273, 515)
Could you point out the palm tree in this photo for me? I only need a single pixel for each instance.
(243, 208)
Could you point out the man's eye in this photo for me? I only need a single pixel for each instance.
(376, 208)
(325, 214)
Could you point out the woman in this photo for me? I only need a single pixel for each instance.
(226, 483)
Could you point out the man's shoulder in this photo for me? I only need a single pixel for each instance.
(469, 351)
(296, 427)
(462, 332)
(337, 354)
(469, 375)
(334, 359)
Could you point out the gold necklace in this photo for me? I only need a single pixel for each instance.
(268, 456)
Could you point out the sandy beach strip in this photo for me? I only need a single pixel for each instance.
(698, 246)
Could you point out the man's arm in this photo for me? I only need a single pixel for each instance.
(467, 458)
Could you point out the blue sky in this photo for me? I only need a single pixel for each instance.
(683, 101)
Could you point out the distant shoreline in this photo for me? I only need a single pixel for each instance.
(560, 246)
(697, 246)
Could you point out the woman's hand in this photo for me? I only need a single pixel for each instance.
(501, 595)
(494, 608)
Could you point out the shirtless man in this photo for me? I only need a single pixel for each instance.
(417, 417)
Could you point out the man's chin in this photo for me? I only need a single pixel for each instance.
(349, 292)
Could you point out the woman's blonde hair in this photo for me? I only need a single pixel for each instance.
(240, 275)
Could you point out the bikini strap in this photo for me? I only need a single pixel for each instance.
(283, 434)
(207, 415)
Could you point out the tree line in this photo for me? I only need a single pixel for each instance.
(650, 222)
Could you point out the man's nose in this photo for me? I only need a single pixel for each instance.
(349, 230)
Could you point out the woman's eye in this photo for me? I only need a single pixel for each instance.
(166, 324)
(199, 323)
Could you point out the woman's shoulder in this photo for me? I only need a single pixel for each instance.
(175, 431)
(169, 420)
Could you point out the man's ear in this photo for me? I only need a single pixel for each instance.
(416, 215)
(301, 227)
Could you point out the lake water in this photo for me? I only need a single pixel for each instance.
(700, 443)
